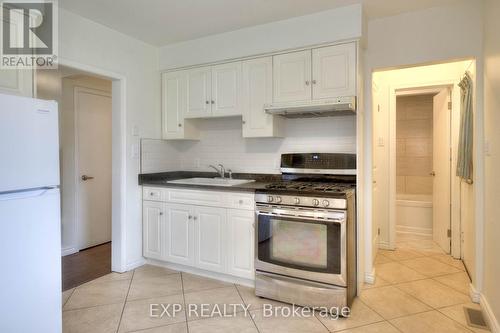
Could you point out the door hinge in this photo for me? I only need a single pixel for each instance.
(449, 233)
(449, 105)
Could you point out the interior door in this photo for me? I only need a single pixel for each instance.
(179, 234)
(441, 170)
(334, 71)
(93, 114)
(226, 83)
(199, 93)
(292, 77)
(174, 104)
(210, 228)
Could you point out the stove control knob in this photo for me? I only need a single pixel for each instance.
(297, 201)
(326, 203)
(315, 202)
(278, 200)
(270, 199)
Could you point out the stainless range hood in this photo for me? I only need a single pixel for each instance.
(325, 108)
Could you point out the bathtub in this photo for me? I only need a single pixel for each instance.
(414, 215)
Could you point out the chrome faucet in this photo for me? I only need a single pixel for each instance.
(220, 170)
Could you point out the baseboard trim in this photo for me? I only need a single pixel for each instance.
(69, 250)
(384, 246)
(421, 232)
(202, 272)
(133, 265)
(489, 315)
(370, 277)
(474, 294)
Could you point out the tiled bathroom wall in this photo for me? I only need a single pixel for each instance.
(414, 144)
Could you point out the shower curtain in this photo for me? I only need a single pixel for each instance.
(464, 163)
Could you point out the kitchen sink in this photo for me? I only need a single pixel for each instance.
(211, 181)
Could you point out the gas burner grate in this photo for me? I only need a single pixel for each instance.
(309, 187)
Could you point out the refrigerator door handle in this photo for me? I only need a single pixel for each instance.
(24, 194)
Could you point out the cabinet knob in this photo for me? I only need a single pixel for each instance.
(161, 213)
(213, 102)
(241, 202)
(180, 125)
(195, 218)
(207, 102)
(313, 81)
(190, 217)
(307, 83)
(243, 122)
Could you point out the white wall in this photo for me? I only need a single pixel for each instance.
(221, 141)
(90, 44)
(421, 37)
(327, 26)
(491, 292)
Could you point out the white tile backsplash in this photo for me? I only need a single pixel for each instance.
(221, 142)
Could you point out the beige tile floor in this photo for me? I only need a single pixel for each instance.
(417, 289)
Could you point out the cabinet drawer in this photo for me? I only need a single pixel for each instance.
(246, 202)
(153, 194)
(204, 198)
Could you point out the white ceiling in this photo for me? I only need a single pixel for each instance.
(160, 22)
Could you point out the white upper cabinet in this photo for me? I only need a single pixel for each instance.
(199, 93)
(334, 71)
(292, 77)
(16, 81)
(173, 104)
(226, 83)
(257, 90)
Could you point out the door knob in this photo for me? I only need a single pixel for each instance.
(85, 178)
(433, 173)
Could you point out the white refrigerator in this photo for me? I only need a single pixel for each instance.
(30, 227)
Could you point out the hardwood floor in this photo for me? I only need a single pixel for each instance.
(86, 265)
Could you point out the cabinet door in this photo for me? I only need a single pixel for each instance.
(334, 71)
(179, 234)
(16, 81)
(199, 94)
(241, 243)
(173, 104)
(210, 230)
(226, 83)
(257, 90)
(153, 227)
(292, 77)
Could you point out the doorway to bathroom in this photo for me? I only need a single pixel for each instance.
(418, 202)
(423, 166)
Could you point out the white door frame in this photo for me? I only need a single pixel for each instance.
(398, 90)
(119, 160)
(76, 91)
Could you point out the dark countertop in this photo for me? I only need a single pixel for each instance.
(161, 179)
(261, 181)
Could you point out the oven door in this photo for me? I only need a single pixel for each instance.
(302, 243)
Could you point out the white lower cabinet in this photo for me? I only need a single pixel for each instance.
(241, 243)
(210, 236)
(217, 238)
(179, 234)
(153, 225)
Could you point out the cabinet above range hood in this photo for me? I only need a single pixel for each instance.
(339, 106)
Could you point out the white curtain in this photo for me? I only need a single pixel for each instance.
(465, 141)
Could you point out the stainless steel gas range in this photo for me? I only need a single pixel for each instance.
(306, 232)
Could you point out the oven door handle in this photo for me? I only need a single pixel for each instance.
(312, 216)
